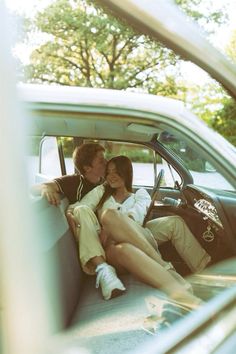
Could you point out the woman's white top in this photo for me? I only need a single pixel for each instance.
(135, 205)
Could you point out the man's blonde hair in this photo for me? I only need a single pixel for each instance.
(84, 155)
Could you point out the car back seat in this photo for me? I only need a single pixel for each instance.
(92, 323)
(58, 242)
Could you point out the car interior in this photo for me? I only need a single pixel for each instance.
(49, 305)
(178, 175)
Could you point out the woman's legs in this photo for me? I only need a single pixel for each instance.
(125, 256)
(121, 229)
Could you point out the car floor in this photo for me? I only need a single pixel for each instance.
(114, 326)
(119, 325)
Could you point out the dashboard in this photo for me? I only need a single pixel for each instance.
(206, 203)
(207, 208)
(218, 209)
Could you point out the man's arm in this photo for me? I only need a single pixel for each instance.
(49, 190)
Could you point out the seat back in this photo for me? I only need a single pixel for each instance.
(58, 242)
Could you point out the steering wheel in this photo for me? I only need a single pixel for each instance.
(154, 195)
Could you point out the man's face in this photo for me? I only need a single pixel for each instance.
(98, 165)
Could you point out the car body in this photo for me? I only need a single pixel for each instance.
(199, 185)
(203, 193)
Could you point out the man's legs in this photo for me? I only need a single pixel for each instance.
(87, 230)
(174, 229)
(91, 252)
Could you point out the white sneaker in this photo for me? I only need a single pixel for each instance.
(110, 284)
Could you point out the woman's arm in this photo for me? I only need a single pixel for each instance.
(138, 209)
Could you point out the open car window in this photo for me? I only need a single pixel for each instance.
(146, 162)
(204, 172)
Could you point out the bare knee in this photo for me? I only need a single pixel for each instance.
(123, 250)
(109, 216)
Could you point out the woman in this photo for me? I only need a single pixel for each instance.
(128, 246)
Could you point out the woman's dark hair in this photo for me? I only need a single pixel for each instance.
(124, 169)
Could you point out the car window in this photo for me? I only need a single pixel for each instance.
(33, 158)
(67, 144)
(49, 158)
(146, 163)
(204, 173)
(142, 159)
(44, 159)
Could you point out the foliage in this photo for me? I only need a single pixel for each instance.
(86, 47)
(225, 120)
(208, 14)
(205, 100)
(68, 146)
(136, 155)
(189, 158)
(231, 47)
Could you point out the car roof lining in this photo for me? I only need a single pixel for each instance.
(91, 125)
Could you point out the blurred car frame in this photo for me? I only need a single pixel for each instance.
(203, 193)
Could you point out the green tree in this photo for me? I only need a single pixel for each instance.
(86, 47)
(225, 120)
(231, 47)
(209, 14)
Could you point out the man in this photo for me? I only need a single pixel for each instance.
(90, 163)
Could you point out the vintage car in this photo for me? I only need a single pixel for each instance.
(48, 304)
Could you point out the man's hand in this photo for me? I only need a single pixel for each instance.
(103, 237)
(71, 221)
(51, 193)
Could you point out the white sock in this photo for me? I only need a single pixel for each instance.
(101, 266)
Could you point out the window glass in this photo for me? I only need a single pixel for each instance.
(170, 174)
(142, 160)
(203, 172)
(142, 157)
(68, 148)
(50, 161)
(33, 158)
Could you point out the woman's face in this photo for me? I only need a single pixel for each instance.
(113, 178)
